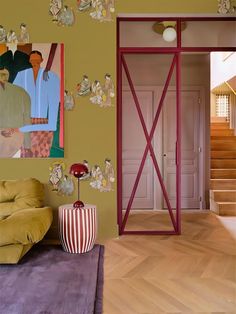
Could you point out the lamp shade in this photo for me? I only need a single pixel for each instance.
(78, 170)
(169, 34)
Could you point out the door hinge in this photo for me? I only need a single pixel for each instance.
(200, 199)
(199, 100)
(199, 149)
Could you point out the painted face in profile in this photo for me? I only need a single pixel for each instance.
(4, 75)
(35, 60)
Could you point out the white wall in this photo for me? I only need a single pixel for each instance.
(223, 68)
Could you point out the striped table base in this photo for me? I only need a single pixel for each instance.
(77, 228)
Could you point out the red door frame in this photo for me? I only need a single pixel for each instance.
(176, 51)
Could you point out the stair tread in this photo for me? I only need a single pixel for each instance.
(223, 151)
(224, 191)
(222, 137)
(228, 159)
(225, 203)
(224, 179)
(221, 169)
(223, 154)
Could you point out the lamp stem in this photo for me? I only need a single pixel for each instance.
(78, 189)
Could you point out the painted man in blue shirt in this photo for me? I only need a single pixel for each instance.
(45, 98)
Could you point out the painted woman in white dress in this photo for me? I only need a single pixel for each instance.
(98, 13)
(109, 176)
(108, 9)
(98, 94)
(68, 100)
(11, 37)
(24, 35)
(97, 178)
(109, 91)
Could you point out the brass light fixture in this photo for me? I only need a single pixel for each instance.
(167, 29)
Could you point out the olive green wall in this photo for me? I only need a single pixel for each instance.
(90, 131)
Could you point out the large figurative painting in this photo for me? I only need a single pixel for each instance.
(31, 100)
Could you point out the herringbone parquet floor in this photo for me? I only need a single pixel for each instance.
(191, 273)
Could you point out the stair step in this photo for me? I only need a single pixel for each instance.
(223, 184)
(219, 125)
(223, 154)
(223, 145)
(223, 208)
(218, 119)
(223, 196)
(223, 163)
(223, 132)
(230, 138)
(223, 173)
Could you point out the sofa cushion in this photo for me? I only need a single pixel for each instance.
(20, 194)
(11, 254)
(26, 226)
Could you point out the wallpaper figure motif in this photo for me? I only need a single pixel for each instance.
(86, 176)
(109, 175)
(100, 94)
(35, 122)
(100, 179)
(66, 17)
(84, 87)
(24, 35)
(66, 186)
(225, 6)
(56, 174)
(97, 178)
(61, 14)
(3, 34)
(109, 91)
(55, 7)
(11, 36)
(69, 101)
(97, 93)
(84, 5)
(61, 183)
(101, 10)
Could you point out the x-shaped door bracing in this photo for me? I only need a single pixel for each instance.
(149, 147)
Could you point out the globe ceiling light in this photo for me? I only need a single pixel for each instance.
(169, 34)
(167, 29)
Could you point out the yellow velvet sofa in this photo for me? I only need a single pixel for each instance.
(23, 219)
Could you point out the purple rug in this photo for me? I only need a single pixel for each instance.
(51, 281)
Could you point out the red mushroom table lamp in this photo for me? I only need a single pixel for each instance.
(78, 171)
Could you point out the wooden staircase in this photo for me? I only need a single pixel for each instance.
(223, 168)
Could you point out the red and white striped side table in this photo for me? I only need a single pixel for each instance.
(77, 228)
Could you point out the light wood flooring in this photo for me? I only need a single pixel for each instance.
(191, 273)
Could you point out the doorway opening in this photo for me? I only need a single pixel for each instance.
(163, 114)
(223, 133)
